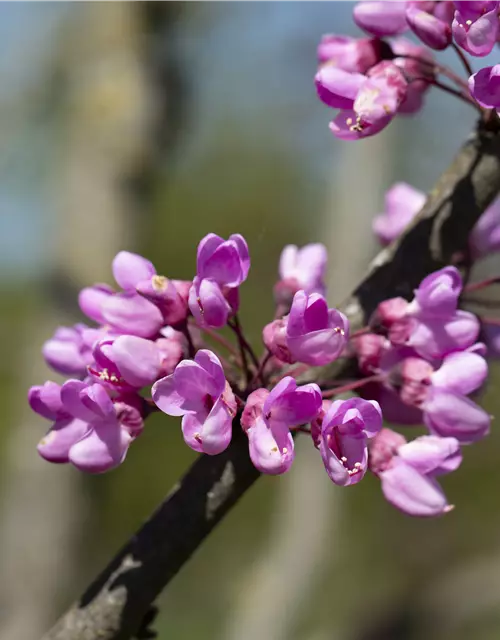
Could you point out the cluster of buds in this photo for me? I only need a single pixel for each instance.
(153, 349)
(372, 79)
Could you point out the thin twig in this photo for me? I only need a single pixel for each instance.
(356, 384)
(463, 59)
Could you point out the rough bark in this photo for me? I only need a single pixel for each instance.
(114, 607)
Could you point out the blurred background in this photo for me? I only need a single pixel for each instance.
(143, 127)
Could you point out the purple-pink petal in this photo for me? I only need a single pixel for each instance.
(462, 372)
(208, 304)
(271, 450)
(137, 359)
(130, 268)
(92, 299)
(432, 455)
(347, 126)
(102, 449)
(449, 414)
(211, 434)
(411, 492)
(337, 88)
(477, 36)
(132, 314)
(46, 400)
(57, 442)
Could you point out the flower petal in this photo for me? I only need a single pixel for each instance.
(102, 449)
(413, 493)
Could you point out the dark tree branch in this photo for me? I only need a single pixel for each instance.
(115, 605)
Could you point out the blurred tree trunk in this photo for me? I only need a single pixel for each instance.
(108, 147)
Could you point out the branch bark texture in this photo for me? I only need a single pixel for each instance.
(115, 605)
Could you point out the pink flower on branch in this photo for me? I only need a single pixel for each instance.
(407, 471)
(198, 391)
(268, 418)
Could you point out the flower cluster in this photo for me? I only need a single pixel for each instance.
(372, 79)
(423, 362)
(152, 349)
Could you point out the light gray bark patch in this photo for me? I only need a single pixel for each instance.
(219, 493)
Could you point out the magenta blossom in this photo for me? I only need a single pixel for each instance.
(346, 427)
(126, 363)
(473, 30)
(172, 347)
(368, 103)
(431, 323)
(268, 418)
(90, 431)
(198, 391)
(484, 87)
(225, 262)
(433, 32)
(222, 265)
(208, 304)
(315, 334)
(302, 268)
(407, 471)
(441, 394)
(68, 351)
(170, 296)
(381, 18)
(402, 203)
(127, 311)
(349, 54)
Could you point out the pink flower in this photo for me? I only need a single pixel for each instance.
(90, 431)
(208, 304)
(198, 391)
(433, 32)
(484, 87)
(441, 394)
(402, 203)
(474, 30)
(431, 323)
(407, 471)
(126, 363)
(346, 427)
(125, 312)
(222, 265)
(170, 296)
(367, 103)
(349, 54)
(315, 334)
(130, 268)
(302, 268)
(275, 338)
(68, 351)
(268, 418)
(381, 18)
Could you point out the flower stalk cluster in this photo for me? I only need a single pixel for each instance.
(372, 79)
(418, 363)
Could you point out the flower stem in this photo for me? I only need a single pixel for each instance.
(461, 94)
(259, 375)
(223, 342)
(329, 393)
(187, 333)
(463, 59)
(477, 286)
(244, 344)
